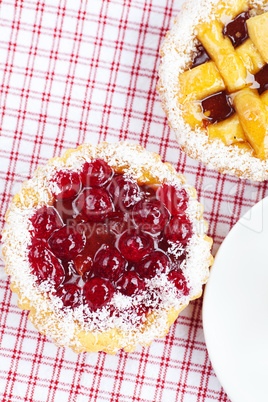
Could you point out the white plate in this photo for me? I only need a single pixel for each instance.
(235, 309)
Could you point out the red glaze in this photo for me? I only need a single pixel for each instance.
(69, 184)
(83, 263)
(130, 283)
(155, 263)
(45, 221)
(134, 246)
(150, 216)
(94, 204)
(97, 292)
(71, 274)
(66, 242)
(96, 173)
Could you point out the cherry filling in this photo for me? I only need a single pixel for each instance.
(109, 262)
(217, 107)
(125, 192)
(94, 204)
(130, 283)
(150, 215)
(237, 30)
(98, 292)
(96, 173)
(201, 57)
(70, 294)
(134, 245)
(66, 242)
(155, 263)
(262, 79)
(45, 221)
(105, 234)
(174, 199)
(179, 230)
(44, 264)
(68, 184)
(178, 279)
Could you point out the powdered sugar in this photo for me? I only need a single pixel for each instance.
(63, 324)
(177, 52)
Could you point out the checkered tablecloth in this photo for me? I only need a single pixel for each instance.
(74, 71)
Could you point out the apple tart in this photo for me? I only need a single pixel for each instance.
(213, 83)
(105, 246)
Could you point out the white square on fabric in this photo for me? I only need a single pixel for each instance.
(42, 63)
(70, 24)
(62, 67)
(24, 39)
(135, 16)
(41, 393)
(7, 12)
(9, 340)
(50, 19)
(20, 387)
(127, 387)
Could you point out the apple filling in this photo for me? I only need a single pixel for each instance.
(225, 91)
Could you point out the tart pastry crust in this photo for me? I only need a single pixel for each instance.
(63, 326)
(229, 73)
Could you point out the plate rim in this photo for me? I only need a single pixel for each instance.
(220, 251)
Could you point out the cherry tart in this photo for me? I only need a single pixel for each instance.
(213, 83)
(105, 246)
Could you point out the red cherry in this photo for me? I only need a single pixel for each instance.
(68, 184)
(98, 292)
(66, 242)
(44, 264)
(109, 263)
(179, 281)
(96, 173)
(147, 192)
(150, 216)
(70, 294)
(45, 221)
(125, 192)
(130, 283)
(94, 204)
(179, 230)
(175, 199)
(155, 263)
(134, 246)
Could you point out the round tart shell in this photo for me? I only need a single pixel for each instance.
(112, 340)
(176, 53)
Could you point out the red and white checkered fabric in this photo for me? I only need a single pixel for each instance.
(86, 70)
